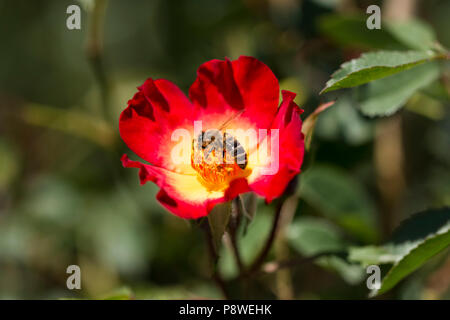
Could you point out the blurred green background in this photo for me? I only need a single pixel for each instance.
(65, 198)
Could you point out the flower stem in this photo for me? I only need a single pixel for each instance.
(258, 262)
(268, 245)
(236, 216)
(214, 257)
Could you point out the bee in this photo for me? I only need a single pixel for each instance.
(211, 141)
(219, 152)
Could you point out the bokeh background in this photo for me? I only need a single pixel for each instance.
(65, 198)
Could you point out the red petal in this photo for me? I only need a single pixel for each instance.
(155, 111)
(225, 87)
(181, 194)
(236, 187)
(291, 151)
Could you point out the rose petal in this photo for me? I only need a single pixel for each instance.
(291, 150)
(182, 194)
(245, 87)
(147, 124)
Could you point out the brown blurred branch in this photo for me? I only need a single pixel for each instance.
(389, 164)
(438, 282)
(94, 51)
(257, 263)
(399, 10)
(388, 146)
(274, 266)
(284, 288)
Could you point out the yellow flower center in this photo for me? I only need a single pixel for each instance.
(218, 158)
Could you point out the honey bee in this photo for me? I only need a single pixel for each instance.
(220, 155)
(214, 140)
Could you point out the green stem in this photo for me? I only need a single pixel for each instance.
(214, 257)
(268, 245)
(236, 217)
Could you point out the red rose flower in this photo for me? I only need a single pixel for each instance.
(237, 95)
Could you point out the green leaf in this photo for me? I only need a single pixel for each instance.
(369, 255)
(435, 109)
(375, 65)
(339, 197)
(310, 236)
(386, 96)
(421, 225)
(418, 239)
(415, 258)
(437, 91)
(218, 221)
(406, 237)
(413, 33)
(350, 273)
